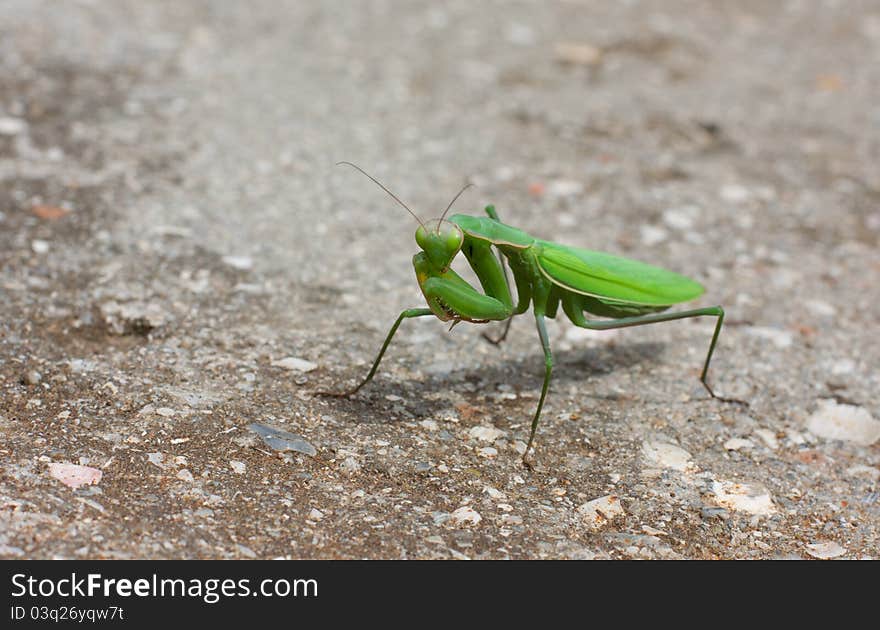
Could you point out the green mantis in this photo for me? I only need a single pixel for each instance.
(547, 275)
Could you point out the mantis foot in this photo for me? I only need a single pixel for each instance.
(724, 399)
(494, 342)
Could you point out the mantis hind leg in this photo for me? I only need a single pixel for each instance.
(412, 312)
(577, 317)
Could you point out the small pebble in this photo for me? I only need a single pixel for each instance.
(599, 512)
(734, 444)
(825, 550)
(835, 421)
(578, 54)
(494, 493)
(564, 188)
(184, 475)
(754, 499)
(242, 263)
(10, 126)
(520, 34)
(768, 437)
(667, 456)
(777, 336)
(247, 552)
(821, 308)
(237, 467)
(157, 459)
(652, 235)
(680, 218)
(315, 514)
(40, 246)
(74, 476)
(350, 465)
(485, 433)
(279, 440)
(465, 515)
(842, 367)
(32, 377)
(295, 364)
(708, 512)
(860, 470)
(734, 193)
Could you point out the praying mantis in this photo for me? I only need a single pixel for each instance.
(547, 275)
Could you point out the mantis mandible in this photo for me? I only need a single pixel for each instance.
(546, 275)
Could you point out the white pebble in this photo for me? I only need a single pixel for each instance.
(843, 366)
(430, 425)
(487, 451)
(768, 437)
(494, 493)
(485, 433)
(74, 476)
(165, 412)
(350, 465)
(754, 499)
(242, 263)
(860, 470)
(564, 188)
(652, 235)
(237, 467)
(734, 444)
(40, 246)
(520, 34)
(825, 550)
(566, 219)
(316, 515)
(667, 456)
(821, 308)
(834, 421)
(579, 54)
(465, 515)
(295, 364)
(12, 126)
(779, 337)
(157, 459)
(734, 193)
(680, 218)
(601, 511)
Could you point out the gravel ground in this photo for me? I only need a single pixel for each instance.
(180, 260)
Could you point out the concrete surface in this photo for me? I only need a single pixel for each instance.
(171, 225)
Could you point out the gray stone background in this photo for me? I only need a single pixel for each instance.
(180, 260)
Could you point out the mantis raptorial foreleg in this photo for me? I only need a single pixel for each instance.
(464, 300)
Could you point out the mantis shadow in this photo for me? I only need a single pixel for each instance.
(520, 375)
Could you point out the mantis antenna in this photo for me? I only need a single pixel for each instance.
(443, 216)
(393, 196)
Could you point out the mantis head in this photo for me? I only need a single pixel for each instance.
(440, 241)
